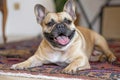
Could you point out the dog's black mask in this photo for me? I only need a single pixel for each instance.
(60, 35)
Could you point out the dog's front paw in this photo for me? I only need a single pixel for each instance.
(72, 69)
(69, 70)
(23, 65)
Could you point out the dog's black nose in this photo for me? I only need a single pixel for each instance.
(60, 27)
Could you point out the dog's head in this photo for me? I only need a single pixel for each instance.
(58, 28)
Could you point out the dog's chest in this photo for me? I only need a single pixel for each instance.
(56, 57)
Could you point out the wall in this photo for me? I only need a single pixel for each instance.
(22, 22)
(92, 8)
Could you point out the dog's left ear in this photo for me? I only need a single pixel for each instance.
(40, 12)
(69, 7)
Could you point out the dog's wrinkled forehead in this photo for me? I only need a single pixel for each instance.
(57, 17)
(43, 15)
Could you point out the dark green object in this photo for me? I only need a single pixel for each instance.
(59, 4)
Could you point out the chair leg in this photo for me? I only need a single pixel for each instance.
(4, 25)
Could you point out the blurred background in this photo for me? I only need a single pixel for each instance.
(21, 24)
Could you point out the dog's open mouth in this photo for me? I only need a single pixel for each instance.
(63, 39)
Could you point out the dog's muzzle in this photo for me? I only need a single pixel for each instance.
(60, 36)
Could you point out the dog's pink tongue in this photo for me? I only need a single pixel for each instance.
(63, 40)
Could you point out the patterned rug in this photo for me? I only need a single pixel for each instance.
(99, 71)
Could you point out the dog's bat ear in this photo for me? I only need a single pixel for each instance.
(40, 12)
(69, 7)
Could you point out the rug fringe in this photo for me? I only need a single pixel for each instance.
(34, 76)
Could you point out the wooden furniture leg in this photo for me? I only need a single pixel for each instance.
(3, 9)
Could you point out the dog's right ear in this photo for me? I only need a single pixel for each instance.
(40, 12)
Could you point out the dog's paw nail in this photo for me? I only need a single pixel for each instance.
(63, 72)
(103, 58)
(112, 58)
(17, 67)
(71, 72)
(13, 66)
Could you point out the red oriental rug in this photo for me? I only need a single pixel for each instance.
(99, 71)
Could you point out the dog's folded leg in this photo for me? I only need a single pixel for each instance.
(79, 63)
(102, 44)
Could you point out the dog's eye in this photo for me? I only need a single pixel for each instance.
(51, 23)
(67, 21)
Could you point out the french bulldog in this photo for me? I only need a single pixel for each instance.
(64, 42)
